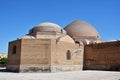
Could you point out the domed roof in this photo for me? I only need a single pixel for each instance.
(47, 26)
(66, 38)
(80, 28)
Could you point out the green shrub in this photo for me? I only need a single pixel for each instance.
(3, 61)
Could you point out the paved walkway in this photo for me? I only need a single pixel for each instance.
(74, 75)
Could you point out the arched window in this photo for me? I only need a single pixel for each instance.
(77, 42)
(14, 49)
(61, 31)
(68, 55)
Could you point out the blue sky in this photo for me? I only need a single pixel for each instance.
(18, 16)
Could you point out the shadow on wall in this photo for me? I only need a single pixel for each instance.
(4, 70)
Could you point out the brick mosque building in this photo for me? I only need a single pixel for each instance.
(50, 48)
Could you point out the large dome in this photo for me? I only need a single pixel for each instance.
(81, 29)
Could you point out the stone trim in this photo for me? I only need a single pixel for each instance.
(49, 68)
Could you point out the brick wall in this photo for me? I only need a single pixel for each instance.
(102, 56)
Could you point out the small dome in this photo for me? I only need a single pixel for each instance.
(81, 29)
(46, 24)
(46, 27)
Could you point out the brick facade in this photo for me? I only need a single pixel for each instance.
(44, 55)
